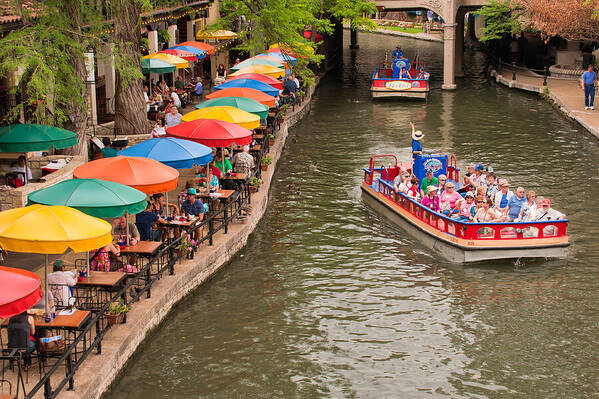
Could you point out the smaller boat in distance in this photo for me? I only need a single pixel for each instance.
(455, 240)
(399, 79)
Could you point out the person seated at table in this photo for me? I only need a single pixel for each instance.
(108, 151)
(19, 168)
(173, 117)
(144, 221)
(119, 231)
(211, 173)
(21, 331)
(218, 163)
(192, 205)
(59, 282)
(159, 130)
(243, 162)
(159, 205)
(106, 259)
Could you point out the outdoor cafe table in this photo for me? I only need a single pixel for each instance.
(235, 176)
(144, 249)
(95, 290)
(65, 325)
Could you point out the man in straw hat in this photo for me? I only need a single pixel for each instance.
(417, 135)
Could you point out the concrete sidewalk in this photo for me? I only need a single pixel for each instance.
(566, 93)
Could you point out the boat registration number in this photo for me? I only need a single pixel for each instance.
(398, 85)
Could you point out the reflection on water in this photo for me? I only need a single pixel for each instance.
(331, 300)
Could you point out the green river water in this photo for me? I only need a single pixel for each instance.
(329, 299)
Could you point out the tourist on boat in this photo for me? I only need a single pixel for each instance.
(481, 191)
(417, 135)
(487, 214)
(442, 180)
(491, 184)
(448, 199)
(514, 205)
(467, 183)
(405, 184)
(503, 196)
(465, 206)
(430, 200)
(530, 201)
(413, 189)
(397, 53)
(398, 180)
(422, 74)
(547, 213)
(405, 74)
(474, 176)
(429, 180)
(532, 211)
(478, 203)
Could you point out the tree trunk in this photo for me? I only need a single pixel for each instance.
(77, 112)
(130, 106)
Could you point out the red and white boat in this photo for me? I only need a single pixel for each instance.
(459, 241)
(385, 85)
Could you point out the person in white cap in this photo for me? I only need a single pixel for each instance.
(417, 135)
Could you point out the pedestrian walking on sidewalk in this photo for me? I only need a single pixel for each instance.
(589, 82)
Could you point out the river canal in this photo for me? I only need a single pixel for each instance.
(328, 299)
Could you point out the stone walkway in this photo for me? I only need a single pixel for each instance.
(567, 94)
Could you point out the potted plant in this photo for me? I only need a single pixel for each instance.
(282, 111)
(255, 184)
(301, 94)
(186, 246)
(271, 139)
(267, 160)
(116, 312)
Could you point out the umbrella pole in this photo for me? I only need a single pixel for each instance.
(127, 223)
(46, 310)
(87, 270)
(25, 178)
(167, 203)
(222, 173)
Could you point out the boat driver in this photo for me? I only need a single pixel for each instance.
(397, 53)
(417, 135)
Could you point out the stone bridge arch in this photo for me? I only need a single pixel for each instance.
(452, 12)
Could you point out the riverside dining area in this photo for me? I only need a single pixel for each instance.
(122, 222)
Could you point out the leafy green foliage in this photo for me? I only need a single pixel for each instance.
(501, 19)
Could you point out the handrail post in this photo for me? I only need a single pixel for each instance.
(545, 75)
(210, 230)
(69, 371)
(99, 349)
(47, 389)
(513, 70)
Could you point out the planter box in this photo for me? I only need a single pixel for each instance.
(264, 167)
(271, 142)
(115, 318)
(254, 189)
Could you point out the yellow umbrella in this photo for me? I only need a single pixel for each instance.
(171, 59)
(225, 113)
(47, 230)
(268, 70)
(216, 35)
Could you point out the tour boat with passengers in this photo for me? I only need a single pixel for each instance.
(454, 240)
(388, 82)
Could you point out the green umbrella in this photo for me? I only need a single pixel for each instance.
(243, 103)
(257, 61)
(153, 65)
(98, 198)
(32, 137)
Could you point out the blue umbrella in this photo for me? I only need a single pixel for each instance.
(283, 57)
(193, 50)
(176, 153)
(250, 84)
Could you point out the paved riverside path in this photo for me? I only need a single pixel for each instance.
(566, 93)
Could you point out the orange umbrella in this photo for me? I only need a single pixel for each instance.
(254, 94)
(208, 48)
(146, 175)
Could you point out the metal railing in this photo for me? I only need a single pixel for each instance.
(135, 287)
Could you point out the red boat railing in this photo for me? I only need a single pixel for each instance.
(467, 231)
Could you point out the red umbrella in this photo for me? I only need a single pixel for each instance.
(277, 84)
(186, 55)
(211, 132)
(19, 290)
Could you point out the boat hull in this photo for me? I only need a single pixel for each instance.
(399, 94)
(455, 249)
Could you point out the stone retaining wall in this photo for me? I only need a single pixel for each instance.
(98, 371)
